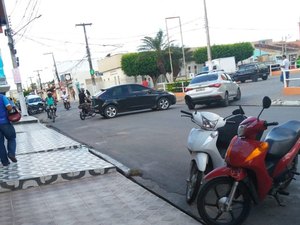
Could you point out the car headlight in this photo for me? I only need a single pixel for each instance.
(208, 124)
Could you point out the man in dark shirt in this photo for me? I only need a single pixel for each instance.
(82, 96)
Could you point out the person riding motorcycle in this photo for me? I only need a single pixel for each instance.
(50, 101)
(84, 102)
(65, 98)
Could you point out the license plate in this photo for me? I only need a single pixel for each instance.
(200, 89)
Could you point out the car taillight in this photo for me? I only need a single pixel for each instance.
(188, 89)
(215, 85)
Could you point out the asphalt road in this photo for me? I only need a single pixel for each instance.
(154, 143)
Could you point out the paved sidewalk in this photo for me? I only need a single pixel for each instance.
(59, 181)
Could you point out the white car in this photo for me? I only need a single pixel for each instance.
(216, 86)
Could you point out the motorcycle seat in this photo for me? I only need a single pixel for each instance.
(282, 138)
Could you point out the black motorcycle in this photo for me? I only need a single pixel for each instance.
(86, 111)
(35, 109)
(67, 104)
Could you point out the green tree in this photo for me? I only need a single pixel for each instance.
(142, 63)
(159, 45)
(241, 51)
(128, 64)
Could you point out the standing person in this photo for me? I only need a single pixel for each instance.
(73, 93)
(145, 82)
(7, 131)
(285, 66)
(150, 83)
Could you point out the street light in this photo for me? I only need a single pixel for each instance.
(183, 55)
(55, 67)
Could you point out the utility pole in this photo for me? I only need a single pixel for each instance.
(15, 63)
(207, 38)
(38, 74)
(92, 72)
(31, 84)
(55, 68)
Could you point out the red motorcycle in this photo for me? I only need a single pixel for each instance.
(254, 169)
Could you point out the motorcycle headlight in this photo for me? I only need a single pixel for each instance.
(208, 124)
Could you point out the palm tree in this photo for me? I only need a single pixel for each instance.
(158, 44)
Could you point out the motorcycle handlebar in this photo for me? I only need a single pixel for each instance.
(271, 124)
(187, 113)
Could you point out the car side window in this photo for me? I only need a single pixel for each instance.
(228, 77)
(120, 91)
(223, 76)
(138, 88)
(116, 92)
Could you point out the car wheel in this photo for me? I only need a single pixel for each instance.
(110, 111)
(265, 77)
(189, 103)
(238, 95)
(163, 103)
(225, 101)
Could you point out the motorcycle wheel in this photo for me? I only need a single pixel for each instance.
(30, 112)
(291, 174)
(82, 116)
(193, 183)
(214, 194)
(53, 117)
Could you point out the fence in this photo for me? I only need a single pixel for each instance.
(178, 86)
(286, 81)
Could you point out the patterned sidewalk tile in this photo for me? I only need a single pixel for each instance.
(50, 167)
(35, 137)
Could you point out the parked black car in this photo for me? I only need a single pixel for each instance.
(129, 97)
(251, 72)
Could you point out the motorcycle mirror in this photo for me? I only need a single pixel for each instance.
(238, 111)
(266, 102)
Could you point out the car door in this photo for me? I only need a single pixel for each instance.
(120, 96)
(229, 84)
(141, 97)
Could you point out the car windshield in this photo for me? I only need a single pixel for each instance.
(32, 100)
(204, 78)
